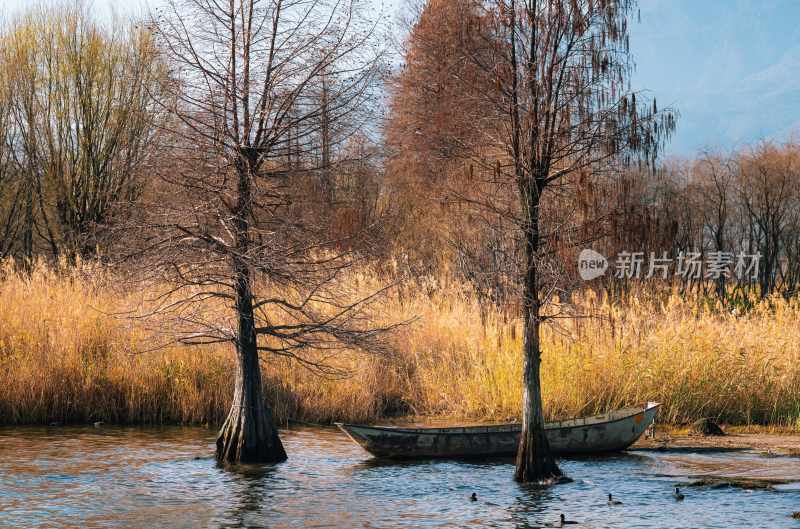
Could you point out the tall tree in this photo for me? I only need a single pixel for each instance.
(550, 114)
(561, 68)
(223, 230)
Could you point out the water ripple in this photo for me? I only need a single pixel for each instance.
(165, 477)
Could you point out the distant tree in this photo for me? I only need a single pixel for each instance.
(430, 119)
(223, 231)
(432, 127)
(9, 201)
(715, 202)
(768, 179)
(81, 124)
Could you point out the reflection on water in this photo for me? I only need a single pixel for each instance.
(154, 478)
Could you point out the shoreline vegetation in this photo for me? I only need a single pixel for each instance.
(64, 358)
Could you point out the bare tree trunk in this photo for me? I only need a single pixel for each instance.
(535, 461)
(249, 434)
(325, 131)
(27, 234)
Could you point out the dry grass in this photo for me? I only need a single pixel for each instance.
(699, 363)
(63, 359)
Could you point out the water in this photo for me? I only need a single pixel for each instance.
(157, 478)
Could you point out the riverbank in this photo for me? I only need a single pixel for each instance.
(66, 356)
(765, 441)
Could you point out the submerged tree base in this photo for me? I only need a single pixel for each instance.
(541, 476)
(249, 437)
(535, 461)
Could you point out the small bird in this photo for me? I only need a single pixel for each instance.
(560, 523)
(564, 521)
(474, 497)
(796, 515)
(612, 501)
(677, 494)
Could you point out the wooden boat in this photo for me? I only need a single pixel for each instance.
(609, 432)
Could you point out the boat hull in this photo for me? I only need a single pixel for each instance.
(611, 432)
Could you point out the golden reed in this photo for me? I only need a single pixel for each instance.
(64, 358)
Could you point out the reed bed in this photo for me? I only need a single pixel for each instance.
(65, 358)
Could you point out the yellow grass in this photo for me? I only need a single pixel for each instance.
(63, 359)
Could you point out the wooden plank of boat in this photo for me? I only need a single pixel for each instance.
(609, 432)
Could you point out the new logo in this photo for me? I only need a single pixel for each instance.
(591, 264)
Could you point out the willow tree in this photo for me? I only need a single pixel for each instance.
(222, 229)
(81, 121)
(544, 84)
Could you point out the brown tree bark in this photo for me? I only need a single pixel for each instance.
(249, 434)
(535, 461)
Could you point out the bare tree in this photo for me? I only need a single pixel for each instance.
(82, 102)
(768, 176)
(8, 205)
(221, 229)
(549, 80)
(715, 176)
(561, 68)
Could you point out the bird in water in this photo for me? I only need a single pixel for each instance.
(677, 494)
(560, 523)
(474, 497)
(564, 520)
(796, 515)
(612, 501)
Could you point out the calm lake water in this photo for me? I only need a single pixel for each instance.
(164, 478)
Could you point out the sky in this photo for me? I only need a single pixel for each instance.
(731, 68)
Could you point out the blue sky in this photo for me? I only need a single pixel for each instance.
(730, 67)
